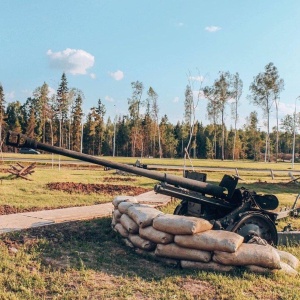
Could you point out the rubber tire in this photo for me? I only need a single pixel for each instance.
(251, 222)
(181, 209)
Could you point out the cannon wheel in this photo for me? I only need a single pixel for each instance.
(256, 225)
(181, 209)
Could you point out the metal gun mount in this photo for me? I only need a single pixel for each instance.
(225, 206)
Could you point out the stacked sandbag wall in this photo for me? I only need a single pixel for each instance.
(191, 243)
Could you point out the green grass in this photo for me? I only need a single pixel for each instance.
(87, 260)
(205, 163)
(26, 194)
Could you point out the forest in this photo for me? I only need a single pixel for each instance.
(59, 120)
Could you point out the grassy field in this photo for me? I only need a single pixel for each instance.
(87, 260)
(240, 164)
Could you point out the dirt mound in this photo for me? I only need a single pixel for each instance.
(117, 179)
(83, 188)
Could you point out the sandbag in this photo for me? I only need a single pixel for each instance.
(113, 222)
(167, 261)
(211, 240)
(174, 251)
(128, 243)
(288, 258)
(143, 215)
(129, 224)
(176, 224)
(139, 242)
(117, 200)
(121, 230)
(209, 266)
(123, 206)
(250, 254)
(285, 269)
(117, 215)
(156, 236)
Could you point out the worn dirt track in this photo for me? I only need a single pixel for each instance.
(83, 188)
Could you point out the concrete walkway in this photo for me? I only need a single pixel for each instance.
(26, 220)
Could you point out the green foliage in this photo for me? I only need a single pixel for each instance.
(57, 120)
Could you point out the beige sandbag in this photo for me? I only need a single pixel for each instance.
(156, 236)
(250, 254)
(113, 222)
(211, 240)
(121, 230)
(258, 269)
(123, 207)
(139, 242)
(143, 215)
(176, 224)
(117, 215)
(117, 200)
(128, 243)
(209, 266)
(167, 261)
(288, 258)
(174, 251)
(129, 224)
(285, 269)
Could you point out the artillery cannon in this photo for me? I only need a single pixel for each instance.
(225, 206)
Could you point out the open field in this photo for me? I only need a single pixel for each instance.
(87, 260)
(240, 164)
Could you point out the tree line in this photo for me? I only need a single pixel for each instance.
(59, 120)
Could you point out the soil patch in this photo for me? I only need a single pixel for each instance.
(117, 179)
(8, 209)
(83, 188)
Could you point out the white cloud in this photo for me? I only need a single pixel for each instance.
(71, 60)
(198, 95)
(176, 100)
(109, 99)
(286, 109)
(10, 96)
(93, 75)
(52, 91)
(118, 75)
(197, 78)
(27, 93)
(212, 28)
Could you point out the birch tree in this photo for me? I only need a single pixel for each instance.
(155, 111)
(237, 86)
(134, 111)
(265, 87)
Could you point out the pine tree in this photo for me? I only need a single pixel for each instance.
(14, 118)
(99, 114)
(62, 106)
(77, 123)
(31, 124)
(43, 108)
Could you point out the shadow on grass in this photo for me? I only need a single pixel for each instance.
(92, 245)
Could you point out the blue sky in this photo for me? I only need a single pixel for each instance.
(103, 46)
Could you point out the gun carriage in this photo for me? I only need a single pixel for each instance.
(225, 206)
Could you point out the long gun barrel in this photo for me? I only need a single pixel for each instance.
(20, 140)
